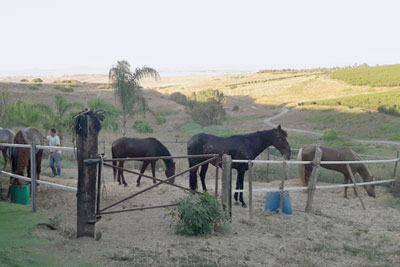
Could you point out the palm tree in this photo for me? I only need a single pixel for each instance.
(126, 85)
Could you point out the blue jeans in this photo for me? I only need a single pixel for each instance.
(55, 163)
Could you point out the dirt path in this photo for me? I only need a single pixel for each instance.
(269, 122)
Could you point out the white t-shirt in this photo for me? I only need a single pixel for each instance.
(54, 141)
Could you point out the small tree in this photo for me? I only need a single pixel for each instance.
(206, 107)
(126, 85)
(111, 121)
(60, 115)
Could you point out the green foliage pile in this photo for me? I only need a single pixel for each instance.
(70, 81)
(330, 134)
(24, 80)
(104, 86)
(142, 127)
(198, 215)
(387, 75)
(235, 108)
(37, 80)
(180, 99)
(205, 107)
(385, 102)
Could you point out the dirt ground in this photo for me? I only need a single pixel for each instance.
(337, 233)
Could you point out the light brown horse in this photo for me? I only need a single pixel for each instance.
(20, 157)
(306, 153)
(7, 137)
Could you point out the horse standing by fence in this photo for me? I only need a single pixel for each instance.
(306, 153)
(246, 147)
(6, 137)
(126, 147)
(20, 157)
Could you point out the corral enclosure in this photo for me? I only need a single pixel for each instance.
(337, 233)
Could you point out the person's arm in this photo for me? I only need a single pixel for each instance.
(57, 144)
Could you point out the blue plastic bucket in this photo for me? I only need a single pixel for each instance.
(272, 202)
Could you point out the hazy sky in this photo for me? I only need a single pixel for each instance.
(79, 34)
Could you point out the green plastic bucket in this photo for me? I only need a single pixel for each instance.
(20, 194)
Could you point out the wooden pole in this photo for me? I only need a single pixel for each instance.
(355, 185)
(267, 163)
(33, 175)
(226, 191)
(314, 175)
(86, 144)
(282, 187)
(395, 166)
(250, 173)
(216, 180)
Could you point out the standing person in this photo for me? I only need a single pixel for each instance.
(55, 155)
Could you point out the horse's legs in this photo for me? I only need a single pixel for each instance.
(346, 181)
(153, 170)
(144, 167)
(235, 196)
(5, 158)
(240, 179)
(193, 174)
(307, 174)
(203, 172)
(121, 174)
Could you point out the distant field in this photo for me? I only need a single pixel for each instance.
(387, 75)
(386, 102)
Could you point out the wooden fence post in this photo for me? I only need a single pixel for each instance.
(250, 173)
(216, 180)
(314, 175)
(33, 176)
(86, 144)
(355, 185)
(395, 165)
(282, 187)
(226, 191)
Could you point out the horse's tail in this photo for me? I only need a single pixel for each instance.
(301, 168)
(114, 163)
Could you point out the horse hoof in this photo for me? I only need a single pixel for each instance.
(244, 205)
(137, 185)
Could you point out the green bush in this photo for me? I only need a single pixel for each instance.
(330, 134)
(198, 215)
(37, 80)
(161, 120)
(208, 113)
(235, 108)
(24, 80)
(65, 89)
(104, 86)
(70, 81)
(180, 98)
(142, 127)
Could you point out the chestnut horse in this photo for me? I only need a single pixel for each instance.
(247, 147)
(20, 157)
(306, 153)
(7, 137)
(126, 147)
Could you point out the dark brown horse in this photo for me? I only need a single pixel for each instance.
(247, 147)
(306, 153)
(126, 147)
(7, 137)
(20, 157)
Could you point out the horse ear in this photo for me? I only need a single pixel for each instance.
(279, 128)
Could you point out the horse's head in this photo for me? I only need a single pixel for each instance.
(370, 188)
(170, 171)
(279, 142)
